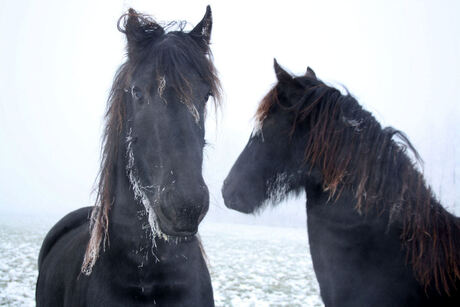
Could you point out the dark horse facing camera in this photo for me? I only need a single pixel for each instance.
(137, 246)
(378, 236)
(166, 94)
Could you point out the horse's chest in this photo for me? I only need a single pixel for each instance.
(358, 263)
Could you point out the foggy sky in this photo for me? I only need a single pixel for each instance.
(400, 59)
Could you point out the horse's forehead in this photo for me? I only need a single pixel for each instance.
(148, 72)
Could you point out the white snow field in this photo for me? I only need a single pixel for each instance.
(250, 265)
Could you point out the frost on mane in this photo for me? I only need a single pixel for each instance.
(257, 131)
(140, 195)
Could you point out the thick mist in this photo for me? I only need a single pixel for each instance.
(400, 60)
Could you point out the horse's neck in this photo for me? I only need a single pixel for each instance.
(140, 261)
(320, 204)
(339, 213)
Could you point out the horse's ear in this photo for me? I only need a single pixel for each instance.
(202, 31)
(139, 30)
(131, 21)
(310, 73)
(281, 74)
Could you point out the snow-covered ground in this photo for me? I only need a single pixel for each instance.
(20, 240)
(260, 266)
(250, 265)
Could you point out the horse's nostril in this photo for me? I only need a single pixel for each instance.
(226, 194)
(166, 201)
(183, 208)
(225, 184)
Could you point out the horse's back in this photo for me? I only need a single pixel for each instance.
(60, 259)
(69, 222)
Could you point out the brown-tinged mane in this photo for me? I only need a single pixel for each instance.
(354, 152)
(170, 52)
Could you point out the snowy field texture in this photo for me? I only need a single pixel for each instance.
(250, 265)
(260, 266)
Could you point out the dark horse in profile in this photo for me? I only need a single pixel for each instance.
(137, 246)
(378, 236)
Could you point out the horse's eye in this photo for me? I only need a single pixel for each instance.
(136, 93)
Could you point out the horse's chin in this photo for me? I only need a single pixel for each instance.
(173, 233)
(168, 229)
(240, 205)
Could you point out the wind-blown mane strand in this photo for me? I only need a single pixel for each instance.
(114, 117)
(352, 151)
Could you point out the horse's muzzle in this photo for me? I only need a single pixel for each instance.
(181, 210)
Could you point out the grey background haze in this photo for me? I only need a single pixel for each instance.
(57, 58)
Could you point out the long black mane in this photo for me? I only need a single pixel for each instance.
(170, 51)
(354, 152)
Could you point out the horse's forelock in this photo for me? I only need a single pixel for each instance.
(179, 50)
(269, 100)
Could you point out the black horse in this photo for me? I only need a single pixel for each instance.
(137, 246)
(378, 237)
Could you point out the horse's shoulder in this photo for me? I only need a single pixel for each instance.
(71, 221)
